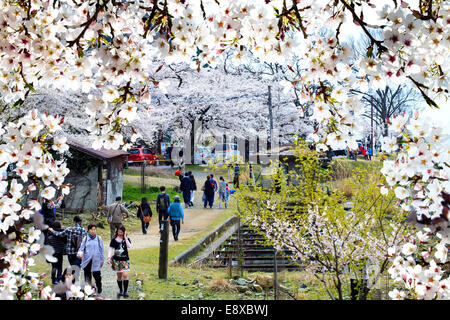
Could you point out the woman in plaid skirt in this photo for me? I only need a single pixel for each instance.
(119, 259)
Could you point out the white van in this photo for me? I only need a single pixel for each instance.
(225, 151)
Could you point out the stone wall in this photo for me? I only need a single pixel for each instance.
(114, 180)
(83, 197)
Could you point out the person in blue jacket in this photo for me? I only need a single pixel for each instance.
(176, 214)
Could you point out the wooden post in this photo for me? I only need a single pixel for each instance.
(275, 276)
(163, 250)
(143, 177)
(239, 253)
(230, 264)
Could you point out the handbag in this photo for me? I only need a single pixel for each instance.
(146, 219)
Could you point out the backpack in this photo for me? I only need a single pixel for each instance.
(162, 204)
(76, 241)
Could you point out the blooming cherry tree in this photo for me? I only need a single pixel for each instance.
(106, 49)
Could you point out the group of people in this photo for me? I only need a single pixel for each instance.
(210, 188)
(366, 152)
(165, 209)
(85, 250)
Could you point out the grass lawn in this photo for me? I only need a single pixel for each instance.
(133, 193)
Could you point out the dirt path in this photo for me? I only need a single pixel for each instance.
(196, 220)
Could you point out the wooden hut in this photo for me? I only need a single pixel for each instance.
(97, 177)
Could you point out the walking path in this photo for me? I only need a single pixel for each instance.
(196, 220)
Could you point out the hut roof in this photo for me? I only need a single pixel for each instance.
(102, 154)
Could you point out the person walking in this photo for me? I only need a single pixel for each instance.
(145, 214)
(176, 214)
(186, 186)
(237, 171)
(215, 187)
(208, 193)
(48, 210)
(222, 193)
(162, 205)
(194, 185)
(369, 153)
(92, 254)
(58, 244)
(169, 155)
(181, 163)
(228, 192)
(119, 259)
(74, 235)
(115, 215)
(213, 182)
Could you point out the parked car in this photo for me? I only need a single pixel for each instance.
(138, 155)
(202, 155)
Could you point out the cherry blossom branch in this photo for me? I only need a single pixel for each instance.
(379, 43)
(98, 7)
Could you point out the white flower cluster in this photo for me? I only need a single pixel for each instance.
(26, 146)
(422, 168)
(417, 266)
(416, 49)
(106, 49)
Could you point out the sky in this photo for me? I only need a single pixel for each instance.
(441, 115)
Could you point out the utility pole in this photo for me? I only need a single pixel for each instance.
(164, 250)
(371, 124)
(270, 120)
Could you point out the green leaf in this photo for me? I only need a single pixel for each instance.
(30, 87)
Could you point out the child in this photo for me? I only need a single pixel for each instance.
(222, 192)
(228, 192)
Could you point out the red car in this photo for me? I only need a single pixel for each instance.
(137, 155)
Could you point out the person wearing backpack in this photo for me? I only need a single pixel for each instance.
(162, 204)
(92, 254)
(208, 193)
(115, 215)
(74, 236)
(58, 244)
(176, 214)
(145, 214)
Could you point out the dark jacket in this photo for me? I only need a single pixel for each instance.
(209, 189)
(166, 198)
(186, 184)
(48, 211)
(57, 242)
(194, 184)
(145, 207)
